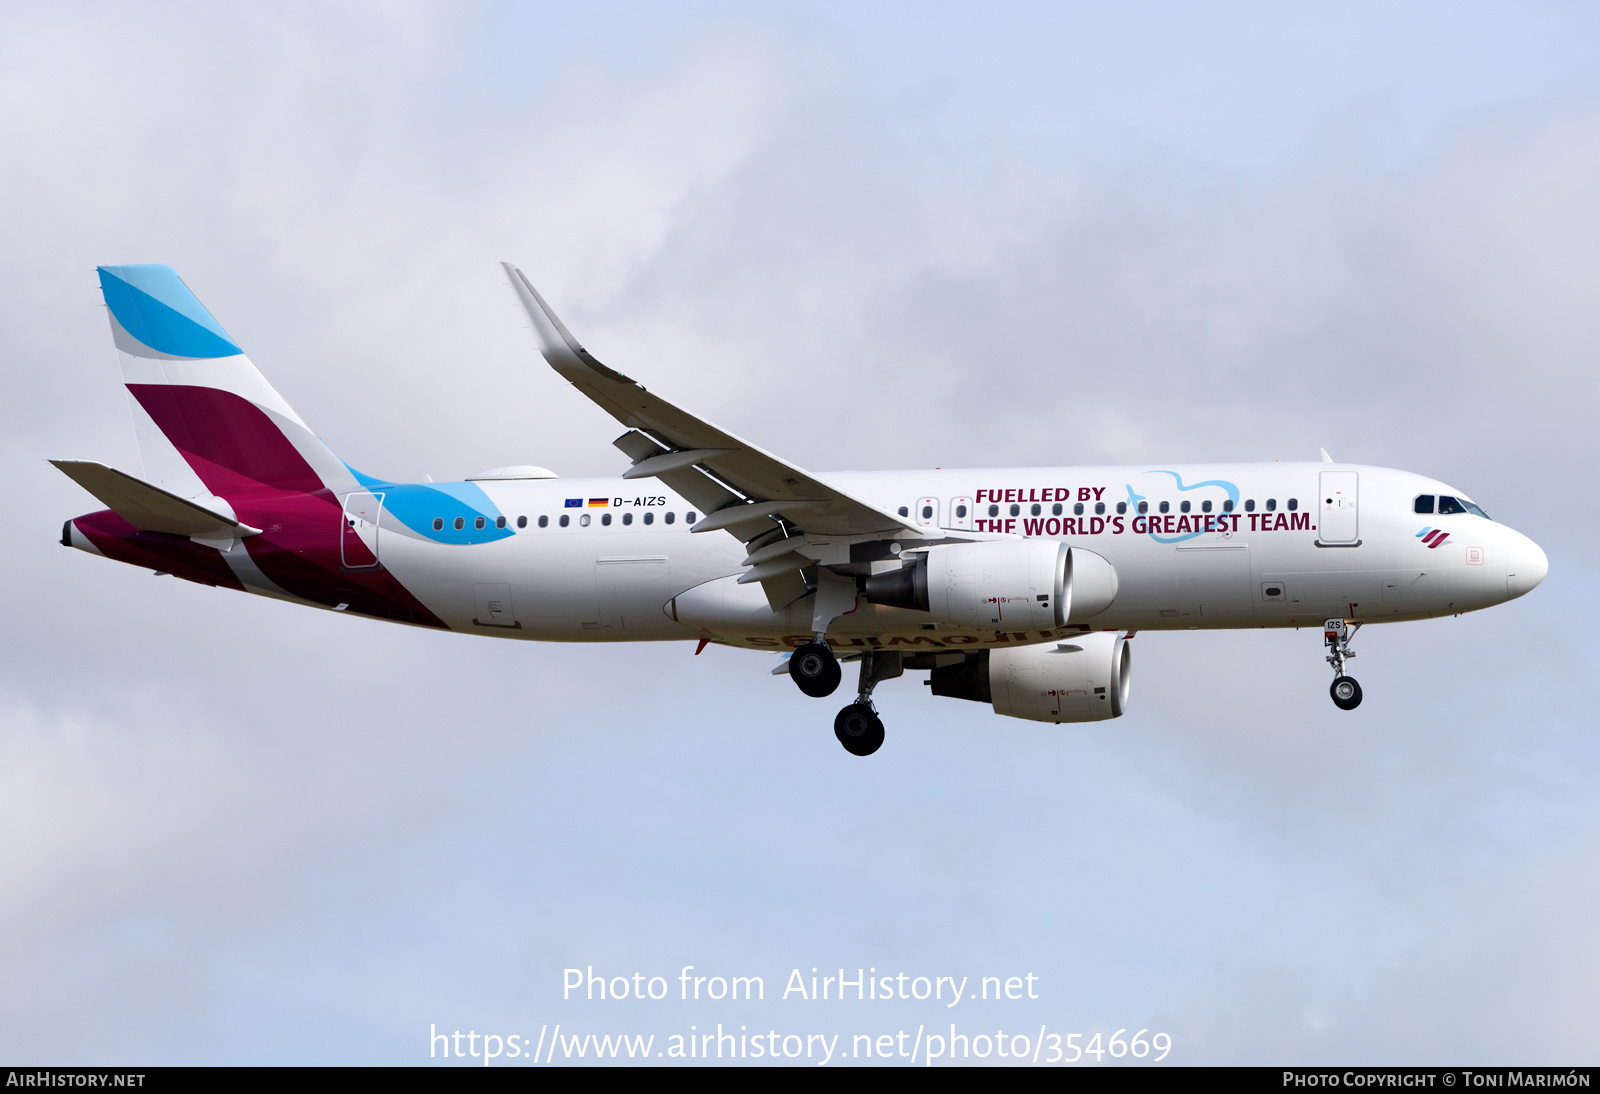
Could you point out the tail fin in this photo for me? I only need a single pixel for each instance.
(207, 421)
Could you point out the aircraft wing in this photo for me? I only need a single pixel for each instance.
(150, 508)
(701, 461)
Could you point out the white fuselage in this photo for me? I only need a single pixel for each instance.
(1218, 546)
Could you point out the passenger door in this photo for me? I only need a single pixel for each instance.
(358, 530)
(1338, 520)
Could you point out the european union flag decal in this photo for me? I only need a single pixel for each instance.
(574, 503)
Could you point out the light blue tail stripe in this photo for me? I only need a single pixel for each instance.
(154, 305)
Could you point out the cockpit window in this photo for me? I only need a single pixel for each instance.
(1448, 505)
(1423, 504)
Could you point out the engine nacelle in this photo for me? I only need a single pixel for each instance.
(1082, 680)
(1025, 584)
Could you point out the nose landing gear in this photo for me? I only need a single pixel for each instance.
(1337, 636)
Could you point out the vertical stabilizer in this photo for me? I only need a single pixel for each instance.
(207, 421)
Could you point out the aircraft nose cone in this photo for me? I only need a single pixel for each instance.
(1527, 569)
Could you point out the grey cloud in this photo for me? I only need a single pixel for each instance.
(239, 830)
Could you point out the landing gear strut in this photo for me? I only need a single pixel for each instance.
(1337, 636)
(858, 726)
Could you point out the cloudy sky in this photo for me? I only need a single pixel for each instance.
(865, 236)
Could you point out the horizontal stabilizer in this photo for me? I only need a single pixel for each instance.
(150, 508)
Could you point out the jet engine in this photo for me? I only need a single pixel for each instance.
(1000, 584)
(1081, 680)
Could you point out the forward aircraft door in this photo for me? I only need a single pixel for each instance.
(1214, 582)
(358, 530)
(1338, 521)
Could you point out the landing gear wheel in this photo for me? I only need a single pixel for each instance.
(815, 670)
(859, 729)
(1346, 692)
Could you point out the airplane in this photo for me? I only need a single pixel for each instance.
(1020, 588)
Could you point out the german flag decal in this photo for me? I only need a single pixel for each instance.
(599, 503)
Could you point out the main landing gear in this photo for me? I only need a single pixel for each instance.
(816, 672)
(1337, 636)
(815, 669)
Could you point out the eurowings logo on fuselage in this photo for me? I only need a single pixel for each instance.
(1433, 536)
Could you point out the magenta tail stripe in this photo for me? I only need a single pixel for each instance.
(229, 441)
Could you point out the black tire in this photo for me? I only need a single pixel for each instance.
(859, 729)
(1346, 692)
(815, 670)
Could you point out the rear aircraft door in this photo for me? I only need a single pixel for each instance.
(1214, 582)
(358, 530)
(1337, 519)
(632, 592)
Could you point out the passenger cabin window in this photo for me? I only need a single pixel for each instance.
(565, 520)
(1034, 511)
(670, 517)
(1122, 507)
(1227, 506)
(1183, 507)
(478, 523)
(627, 518)
(544, 522)
(1423, 504)
(584, 520)
(1016, 510)
(461, 522)
(904, 512)
(1249, 505)
(605, 518)
(522, 522)
(1272, 504)
(688, 518)
(499, 522)
(1077, 510)
(1144, 507)
(1055, 510)
(650, 518)
(994, 510)
(961, 512)
(438, 524)
(1294, 503)
(1099, 507)
(1166, 507)
(1205, 506)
